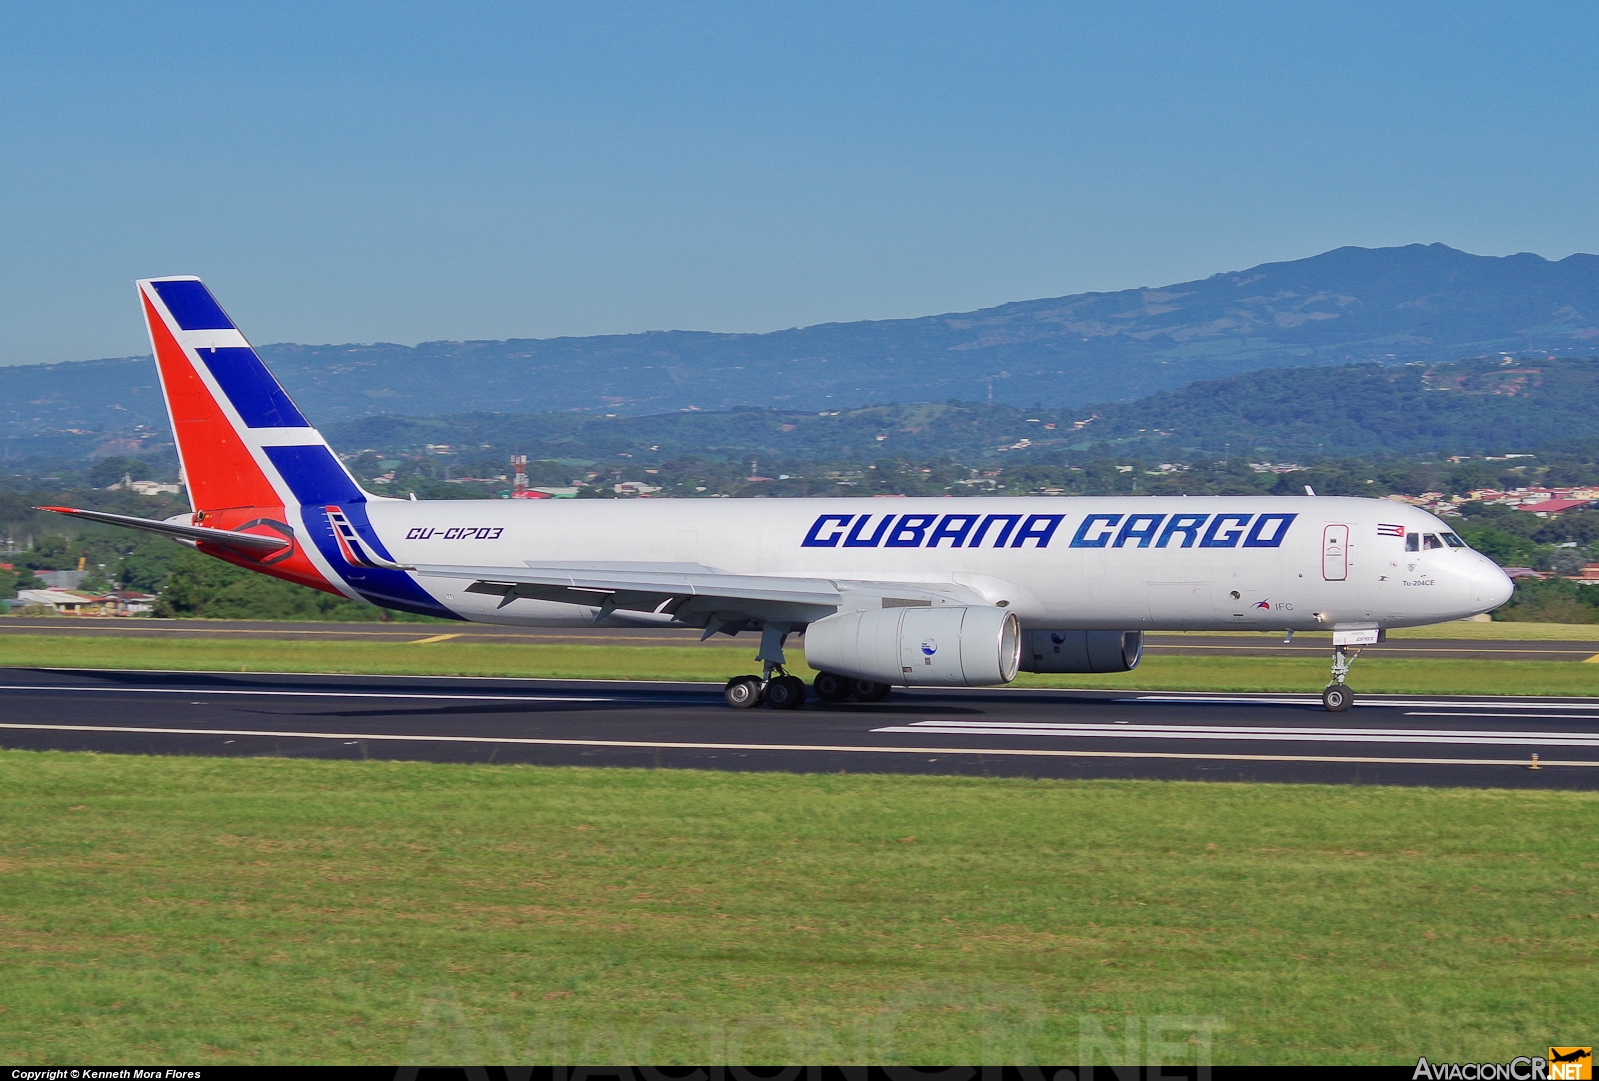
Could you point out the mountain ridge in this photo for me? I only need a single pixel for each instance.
(1468, 407)
(1389, 305)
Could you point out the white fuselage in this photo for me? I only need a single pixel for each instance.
(1132, 563)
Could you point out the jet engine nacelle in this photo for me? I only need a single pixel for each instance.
(918, 647)
(1081, 651)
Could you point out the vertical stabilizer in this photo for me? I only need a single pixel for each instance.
(242, 441)
(251, 460)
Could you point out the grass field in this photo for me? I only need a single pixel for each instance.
(455, 657)
(191, 910)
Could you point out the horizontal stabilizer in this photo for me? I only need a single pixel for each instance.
(253, 543)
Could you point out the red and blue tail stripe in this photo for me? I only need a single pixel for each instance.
(250, 456)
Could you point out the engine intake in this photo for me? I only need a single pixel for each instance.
(918, 647)
(1081, 651)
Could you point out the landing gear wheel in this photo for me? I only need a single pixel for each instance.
(785, 692)
(1337, 698)
(830, 688)
(868, 690)
(743, 692)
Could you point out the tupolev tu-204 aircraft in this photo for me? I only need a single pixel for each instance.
(917, 592)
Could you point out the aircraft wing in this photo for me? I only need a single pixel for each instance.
(253, 543)
(676, 590)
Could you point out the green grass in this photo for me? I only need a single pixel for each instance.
(1156, 672)
(191, 910)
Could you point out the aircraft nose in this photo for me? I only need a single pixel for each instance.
(1493, 586)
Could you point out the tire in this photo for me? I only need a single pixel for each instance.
(785, 692)
(743, 692)
(1337, 698)
(868, 690)
(830, 688)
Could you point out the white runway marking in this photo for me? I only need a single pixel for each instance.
(1234, 700)
(1516, 716)
(936, 752)
(1369, 701)
(267, 692)
(1250, 732)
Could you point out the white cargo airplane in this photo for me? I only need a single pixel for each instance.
(917, 592)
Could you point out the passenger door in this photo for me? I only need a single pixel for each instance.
(1335, 553)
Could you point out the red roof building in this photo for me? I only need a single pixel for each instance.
(1553, 506)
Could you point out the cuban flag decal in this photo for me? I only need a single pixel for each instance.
(1387, 529)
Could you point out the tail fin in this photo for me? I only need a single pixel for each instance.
(253, 462)
(241, 441)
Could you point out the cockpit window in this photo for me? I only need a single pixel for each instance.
(1453, 541)
(1412, 542)
(1431, 541)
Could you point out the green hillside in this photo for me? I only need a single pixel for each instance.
(1473, 406)
(1390, 305)
(1469, 407)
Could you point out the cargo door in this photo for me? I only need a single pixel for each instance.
(1335, 553)
(1179, 605)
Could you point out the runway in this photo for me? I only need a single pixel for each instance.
(1234, 644)
(1385, 739)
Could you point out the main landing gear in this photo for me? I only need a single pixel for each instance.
(1338, 697)
(834, 688)
(784, 691)
(779, 690)
(774, 686)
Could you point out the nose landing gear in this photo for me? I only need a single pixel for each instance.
(1338, 697)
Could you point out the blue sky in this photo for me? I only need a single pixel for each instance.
(391, 172)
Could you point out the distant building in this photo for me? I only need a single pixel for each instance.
(1543, 508)
(62, 579)
(143, 487)
(124, 602)
(59, 600)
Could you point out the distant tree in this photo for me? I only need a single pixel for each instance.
(207, 588)
(1553, 600)
(1505, 549)
(50, 552)
(1579, 526)
(111, 470)
(148, 563)
(11, 581)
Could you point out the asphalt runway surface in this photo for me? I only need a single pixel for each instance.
(1385, 739)
(1244, 644)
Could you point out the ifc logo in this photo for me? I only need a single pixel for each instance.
(929, 646)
